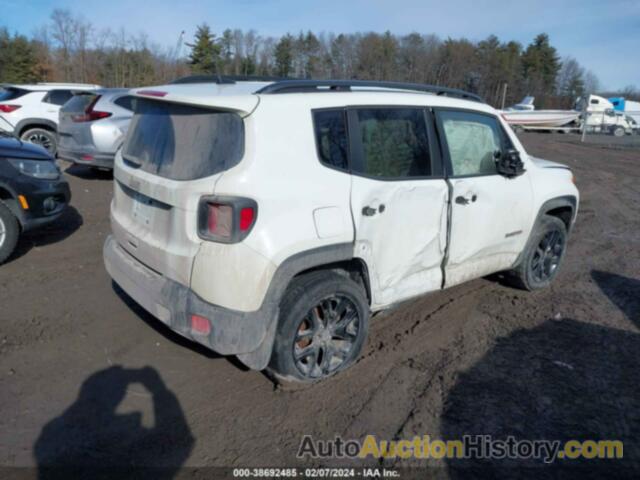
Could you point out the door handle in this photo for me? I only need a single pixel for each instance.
(466, 199)
(367, 211)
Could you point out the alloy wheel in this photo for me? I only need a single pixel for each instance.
(3, 232)
(40, 139)
(546, 257)
(326, 336)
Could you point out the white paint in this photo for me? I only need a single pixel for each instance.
(329, 222)
(403, 245)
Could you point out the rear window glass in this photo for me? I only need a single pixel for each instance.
(125, 102)
(331, 138)
(182, 142)
(78, 103)
(10, 93)
(58, 97)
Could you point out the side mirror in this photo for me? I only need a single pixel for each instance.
(509, 164)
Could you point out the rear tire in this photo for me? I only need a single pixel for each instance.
(42, 137)
(618, 132)
(323, 324)
(9, 232)
(543, 255)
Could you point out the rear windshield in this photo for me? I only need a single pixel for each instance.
(78, 103)
(10, 93)
(182, 142)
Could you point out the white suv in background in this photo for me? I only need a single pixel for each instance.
(271, 225)
(31, 111)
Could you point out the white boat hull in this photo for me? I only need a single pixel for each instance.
(540, 118)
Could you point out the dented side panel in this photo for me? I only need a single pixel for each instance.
(403, 242)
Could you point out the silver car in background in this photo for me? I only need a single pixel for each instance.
(92, 126)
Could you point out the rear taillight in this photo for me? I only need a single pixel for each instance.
(226, 219)
(9, 108)
(90, 114)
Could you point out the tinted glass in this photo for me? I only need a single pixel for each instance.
(183, 142)
(125, 102)
(78, 103)
(58, 97)
(10, 93)
(394, 142)
(474, 141)
(331, 138)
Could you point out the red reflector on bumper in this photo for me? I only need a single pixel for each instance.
(200, 325)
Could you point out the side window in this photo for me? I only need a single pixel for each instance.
(474, 141)
(331, 138)
(58, 97)
(125, 102)
(394, 143)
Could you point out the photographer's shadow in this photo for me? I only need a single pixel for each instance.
(91, 439)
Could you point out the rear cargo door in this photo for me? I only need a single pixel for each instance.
(74, 135)
(398, 200)
(173, 155)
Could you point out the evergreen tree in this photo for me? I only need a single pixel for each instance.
(17, 59)
(283, 54)
(541, 64)
(205, 51)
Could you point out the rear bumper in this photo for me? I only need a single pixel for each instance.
(89, 158)
(232, 332)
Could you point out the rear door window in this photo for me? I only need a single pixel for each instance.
(183, 142)
(394, 143)
(58, 97)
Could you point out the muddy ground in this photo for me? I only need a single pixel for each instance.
(86, 377)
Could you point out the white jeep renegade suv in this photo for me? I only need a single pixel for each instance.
(271, 225)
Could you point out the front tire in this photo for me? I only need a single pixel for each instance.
(42, 137)
(324, 321)
(9, 232)
(543, 255)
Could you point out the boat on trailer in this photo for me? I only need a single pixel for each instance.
(524, 115)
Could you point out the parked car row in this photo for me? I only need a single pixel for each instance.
(270, 219)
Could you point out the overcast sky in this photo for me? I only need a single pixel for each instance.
(603, 35)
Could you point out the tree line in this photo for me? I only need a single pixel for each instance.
(69, 49)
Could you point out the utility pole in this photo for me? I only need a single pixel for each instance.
(504, 95)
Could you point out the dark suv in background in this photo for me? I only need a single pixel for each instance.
(32, 191)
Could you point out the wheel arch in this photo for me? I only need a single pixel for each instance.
(563, 207)
(28, 123)
(9, 198)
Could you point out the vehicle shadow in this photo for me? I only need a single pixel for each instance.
(88, 173)
(563, 380)
(169, 334)
(61, 229)
(92, 440)
(624, 292)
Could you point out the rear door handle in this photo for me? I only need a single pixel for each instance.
(368, 211)
(466, 199)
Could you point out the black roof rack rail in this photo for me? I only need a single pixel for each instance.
(224, 79)
(300, 86)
